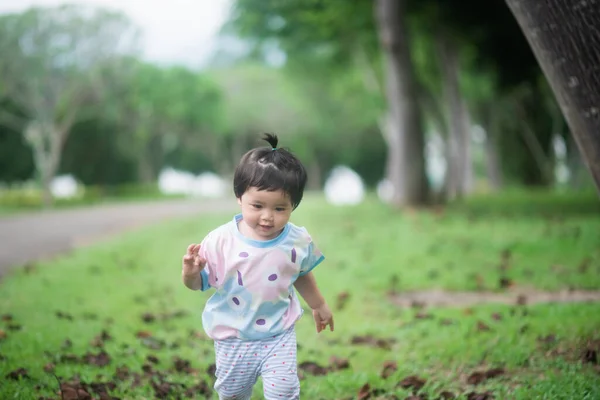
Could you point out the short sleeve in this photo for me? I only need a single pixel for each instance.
(313, 258)
(205, 277)
(208, 250)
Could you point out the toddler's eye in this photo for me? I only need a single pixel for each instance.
(279, 209)
(257, 206)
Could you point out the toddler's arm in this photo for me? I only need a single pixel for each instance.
(308, 289)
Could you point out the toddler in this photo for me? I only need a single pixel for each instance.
(253, 263)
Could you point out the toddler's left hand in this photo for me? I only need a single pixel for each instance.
(323, 317)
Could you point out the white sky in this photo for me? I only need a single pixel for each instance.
(175, 31)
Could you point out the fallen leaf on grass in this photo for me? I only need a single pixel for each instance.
(7, 317)
(14, 327)
(198, 335)
(413, 382)
(480, 396)
(482, 327)
(62, 315)
(68, 358)
(389, 367)
(549, 339)
(49, 367)
(445, 395)
(20, 373)
(312, 368)
(101, 359)
(3, 335)
(68, 392)
(201, 388)
(505, 283)
(182, 365)
(163, 390)
(479, 377)
(385, 344)
(152, 359)
(342, 299)
(590, 352)
(497, 316)
(423, 315)
(77, 390)
(585, 265)
(122, 373)
(143, 334)
(337, 363)
(148, 317)
(365, 392)
(211, 370)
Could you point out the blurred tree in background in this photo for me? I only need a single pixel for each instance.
(439, 98)
(55, 75)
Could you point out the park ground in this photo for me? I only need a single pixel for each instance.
(496, 298)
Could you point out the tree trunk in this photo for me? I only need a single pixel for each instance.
(578, 175)
(144, 168)
(459, 161)
(406, 140)
(47, 142)
(492, 158)
(564, 36)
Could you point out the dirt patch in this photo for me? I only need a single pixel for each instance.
(441, 298)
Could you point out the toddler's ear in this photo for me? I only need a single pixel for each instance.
(239, 200)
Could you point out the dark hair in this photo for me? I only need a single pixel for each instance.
(270, 168)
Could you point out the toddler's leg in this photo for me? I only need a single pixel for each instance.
(280, 377)
(237, 369)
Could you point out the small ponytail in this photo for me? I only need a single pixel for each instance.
(271, 139)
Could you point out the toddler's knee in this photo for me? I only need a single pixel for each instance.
(234, 395)
(233, 392)
(283, 387)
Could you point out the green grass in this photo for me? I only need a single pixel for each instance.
(370, 250)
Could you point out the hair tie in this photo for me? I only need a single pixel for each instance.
(273, 148)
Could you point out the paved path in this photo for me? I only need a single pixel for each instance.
(28, 237)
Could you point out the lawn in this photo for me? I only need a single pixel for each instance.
(114, 318)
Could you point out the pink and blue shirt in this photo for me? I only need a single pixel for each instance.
(253, 279)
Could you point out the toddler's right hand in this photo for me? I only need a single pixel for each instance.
(193, 263)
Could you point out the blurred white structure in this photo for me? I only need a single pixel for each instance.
(64, 187)
(385, 191)
(207, 184)
(344, 187)
(171, 181)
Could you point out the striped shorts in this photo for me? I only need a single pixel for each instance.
(240, 362)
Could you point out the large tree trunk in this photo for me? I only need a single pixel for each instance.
(564, 37)
(459, 160)
(406, 160)
(492, 158)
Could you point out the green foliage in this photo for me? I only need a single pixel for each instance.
(117, 285)
(16, 160)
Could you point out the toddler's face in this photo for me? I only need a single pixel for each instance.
(264, 213)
